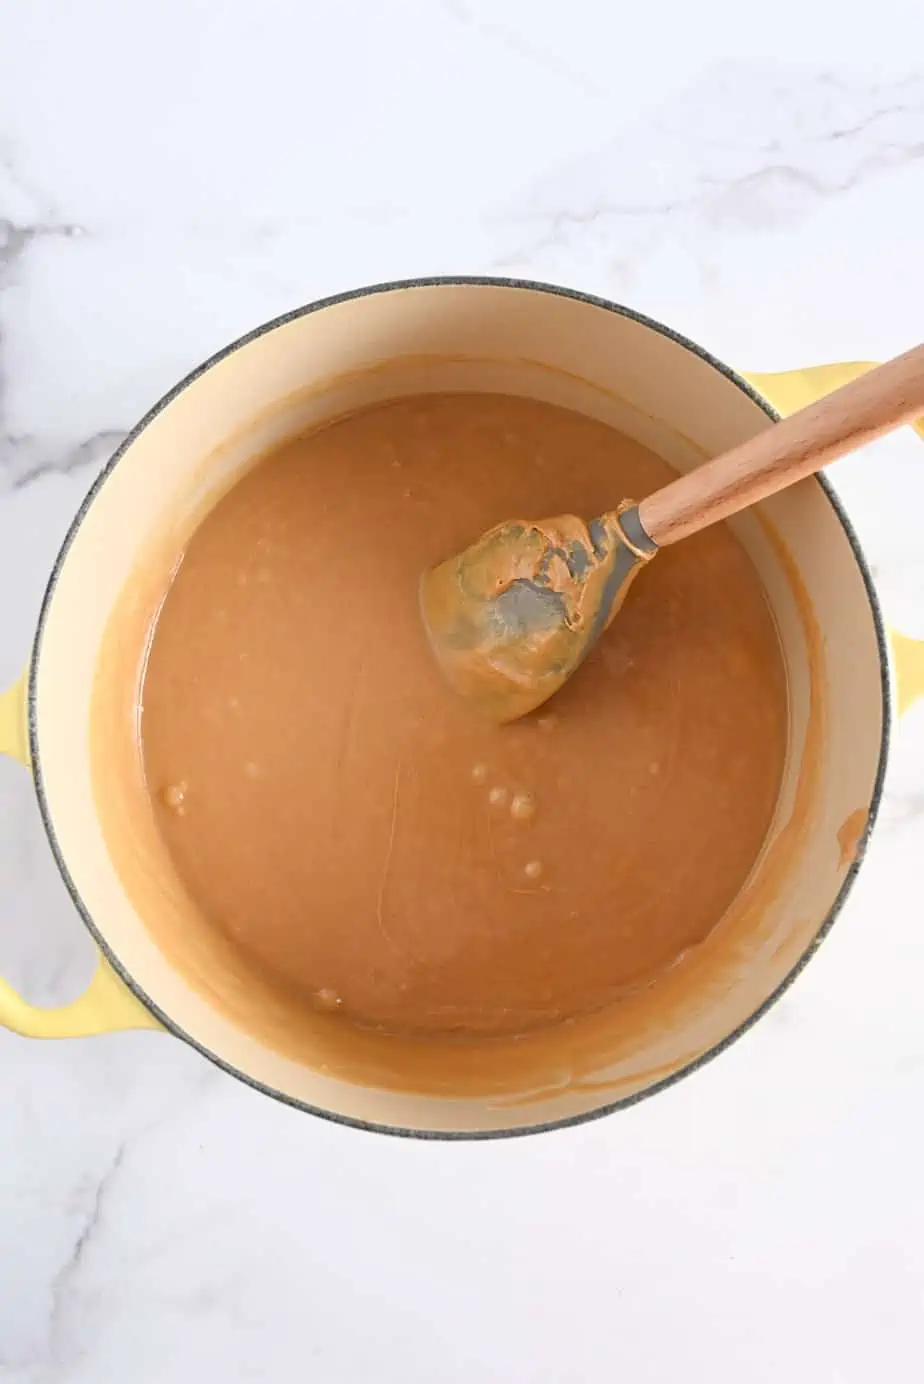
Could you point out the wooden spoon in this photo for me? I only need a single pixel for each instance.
(512, 617)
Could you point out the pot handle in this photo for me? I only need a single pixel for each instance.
(794, 389)
(107, 1005)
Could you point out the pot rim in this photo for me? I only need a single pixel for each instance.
(171, 1026)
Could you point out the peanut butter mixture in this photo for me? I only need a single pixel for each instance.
(364, 838)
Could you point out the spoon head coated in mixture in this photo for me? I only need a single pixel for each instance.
(511, 618)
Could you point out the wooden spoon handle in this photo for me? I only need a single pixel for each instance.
(798, 446)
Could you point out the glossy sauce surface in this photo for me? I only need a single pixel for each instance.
(368, 842)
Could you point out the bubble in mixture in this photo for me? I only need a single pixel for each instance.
(533, 869)
(479, 773)
(174, 796)
(497, 796)
(547, 721)
(327, 1000)
(523, 807)
(252, 769)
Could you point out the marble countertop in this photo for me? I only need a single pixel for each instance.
(173, 174)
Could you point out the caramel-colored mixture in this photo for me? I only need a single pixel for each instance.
(364, 838)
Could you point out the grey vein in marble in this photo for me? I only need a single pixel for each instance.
(492, 30)
(62, 1285)
(727, 114)
(23, 457)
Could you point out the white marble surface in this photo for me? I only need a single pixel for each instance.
(172, 174)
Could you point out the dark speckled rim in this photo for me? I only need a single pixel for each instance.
(169, 1024)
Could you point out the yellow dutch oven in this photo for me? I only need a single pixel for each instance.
(568, 348)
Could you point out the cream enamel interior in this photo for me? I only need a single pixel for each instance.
(459, 336)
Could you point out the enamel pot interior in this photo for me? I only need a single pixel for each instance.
(316, 365)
